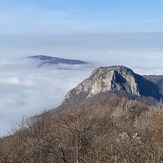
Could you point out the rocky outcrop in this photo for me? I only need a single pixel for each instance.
(115, 78)
(107, 79)
(105, 82)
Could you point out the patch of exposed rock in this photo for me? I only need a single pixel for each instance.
(105, 82)
(115, 78)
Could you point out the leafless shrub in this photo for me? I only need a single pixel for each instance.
(114, 130)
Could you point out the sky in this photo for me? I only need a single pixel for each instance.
(50, 17)
(102, 32)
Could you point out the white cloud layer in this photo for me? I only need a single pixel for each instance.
(28, 90)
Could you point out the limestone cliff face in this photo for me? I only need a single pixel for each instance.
(114, 81)
(105, 79)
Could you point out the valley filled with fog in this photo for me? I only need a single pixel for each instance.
(27, 89)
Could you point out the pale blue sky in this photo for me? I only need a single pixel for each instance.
(44, 17)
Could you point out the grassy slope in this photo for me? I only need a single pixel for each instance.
(113, 130)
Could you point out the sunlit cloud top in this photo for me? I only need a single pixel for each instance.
(74, 16)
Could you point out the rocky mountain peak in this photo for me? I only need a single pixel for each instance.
(115, 79)
(111, 68)
(103, 79)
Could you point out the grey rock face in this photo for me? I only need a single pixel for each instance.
(105, 79)
(114, 81)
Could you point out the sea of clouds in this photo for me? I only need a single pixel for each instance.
(26, 89)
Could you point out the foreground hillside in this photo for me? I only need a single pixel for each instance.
(113, 130)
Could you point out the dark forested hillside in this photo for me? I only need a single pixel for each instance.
(113, 130)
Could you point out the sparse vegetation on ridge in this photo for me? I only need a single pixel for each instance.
(113, 130)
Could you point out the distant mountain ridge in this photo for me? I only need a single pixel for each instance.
(115, 80)
(157, 79)
(56, 60)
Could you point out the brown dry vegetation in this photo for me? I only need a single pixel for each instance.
(112, 131)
